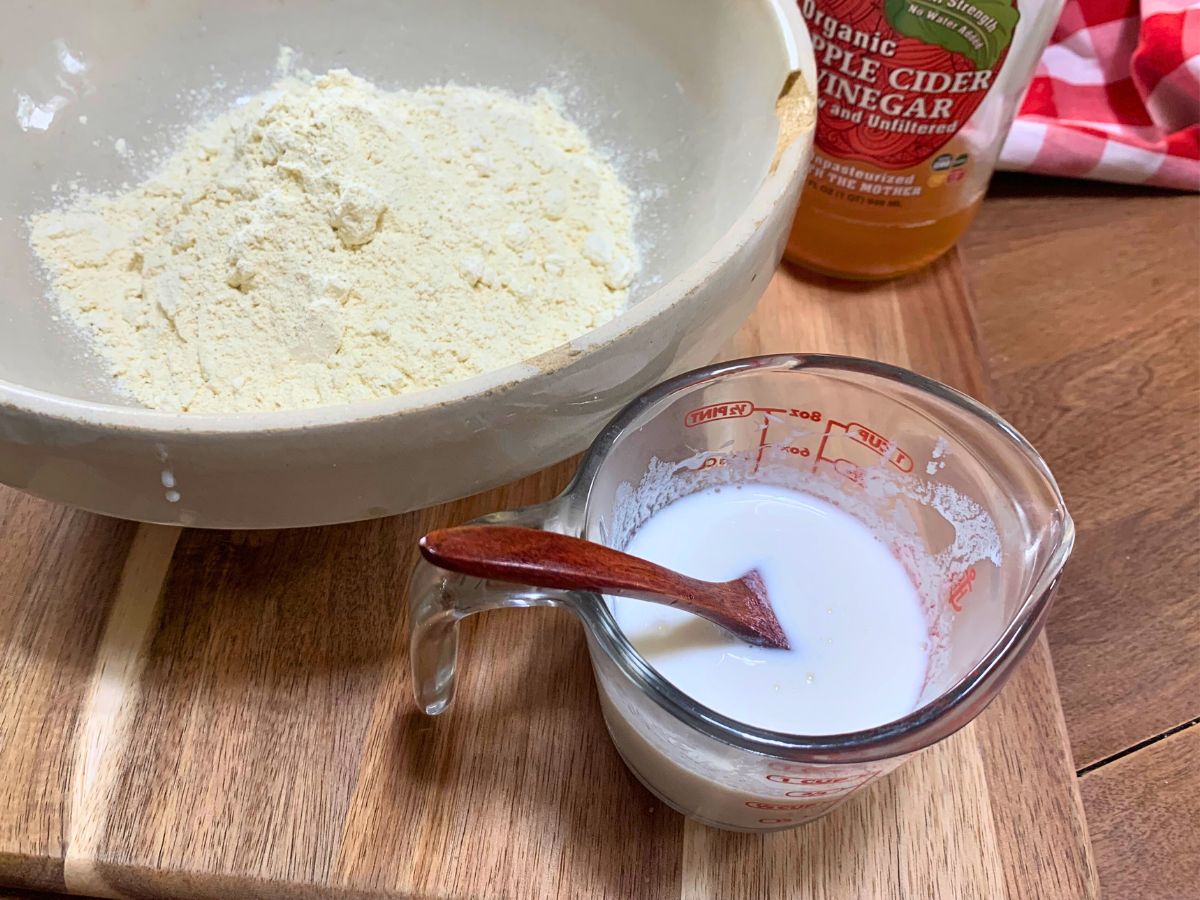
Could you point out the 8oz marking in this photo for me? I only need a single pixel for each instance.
(812, 415)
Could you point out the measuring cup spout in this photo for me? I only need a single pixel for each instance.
(439, 600)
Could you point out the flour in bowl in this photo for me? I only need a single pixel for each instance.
(329, 241)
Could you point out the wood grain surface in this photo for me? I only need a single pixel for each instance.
(1088, 299)
(206, 714)
(1146, 810)
(59, 571)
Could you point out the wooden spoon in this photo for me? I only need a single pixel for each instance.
(545, 559)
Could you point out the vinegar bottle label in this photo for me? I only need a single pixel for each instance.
(914, 99)
(898, 79)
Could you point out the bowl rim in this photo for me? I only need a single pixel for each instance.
(16, 398)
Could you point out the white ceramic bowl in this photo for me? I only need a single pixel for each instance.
(683, 91)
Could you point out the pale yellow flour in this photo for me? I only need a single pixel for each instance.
(329, 241)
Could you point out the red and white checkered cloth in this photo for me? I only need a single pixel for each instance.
(1116, 96)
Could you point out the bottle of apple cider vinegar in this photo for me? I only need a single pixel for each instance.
(915, 98)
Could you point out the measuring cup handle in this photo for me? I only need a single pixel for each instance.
(438, 600)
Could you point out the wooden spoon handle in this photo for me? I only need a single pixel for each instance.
(543, 558)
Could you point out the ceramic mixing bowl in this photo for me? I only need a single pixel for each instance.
(686, 94)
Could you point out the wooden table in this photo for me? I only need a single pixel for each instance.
(200, 714)
(1087, 299)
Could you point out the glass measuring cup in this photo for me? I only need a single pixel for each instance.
(961, 499)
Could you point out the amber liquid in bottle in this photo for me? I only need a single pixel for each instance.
(824, 240)
(850, 233)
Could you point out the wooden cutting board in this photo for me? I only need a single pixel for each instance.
(208, 714)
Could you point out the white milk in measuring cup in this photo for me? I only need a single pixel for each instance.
(859, 641)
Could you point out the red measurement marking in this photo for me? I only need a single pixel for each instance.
(762, 442)
(796, 451)
(710, 463)
(812, 415)
(809, 779)
(880, 445)
(832, 792)
(866, 437)
(757, 804)
(961, 588)
(737, 409)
